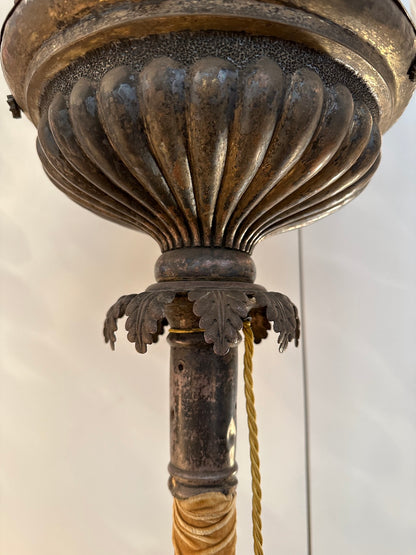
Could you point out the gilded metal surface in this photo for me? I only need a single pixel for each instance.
(375, 39)
(209, 155)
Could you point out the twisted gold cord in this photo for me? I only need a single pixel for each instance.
(252, 434)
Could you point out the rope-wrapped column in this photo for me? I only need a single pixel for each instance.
(203, 396)
(205, 523)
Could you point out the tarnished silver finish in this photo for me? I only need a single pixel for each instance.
(199, 264)
(208, 124)
(220, 309)
(210, 155)
(269, 112)
(203, 411)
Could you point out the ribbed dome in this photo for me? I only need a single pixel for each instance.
(209, 155)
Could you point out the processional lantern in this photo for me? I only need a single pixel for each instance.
(208, 124)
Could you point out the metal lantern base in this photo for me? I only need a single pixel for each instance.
(205, 317)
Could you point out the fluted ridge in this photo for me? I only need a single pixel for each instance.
(209, 155)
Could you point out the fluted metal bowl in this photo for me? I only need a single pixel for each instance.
(210, 123)
(209, 155)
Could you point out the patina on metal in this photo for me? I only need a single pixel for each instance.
(203, 408)
(215, 153)
(375, 39)
(292, 136)
(14, 107)
(220, 305)
(208, 124)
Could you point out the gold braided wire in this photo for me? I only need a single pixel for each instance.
(253, 438)
(193, 330)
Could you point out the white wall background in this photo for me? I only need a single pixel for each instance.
(84, 431)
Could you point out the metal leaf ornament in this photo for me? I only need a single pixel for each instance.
(145, 315)
(283, 313)
(118, 310)
(221, 316)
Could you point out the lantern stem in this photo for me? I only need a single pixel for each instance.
(203, 402)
